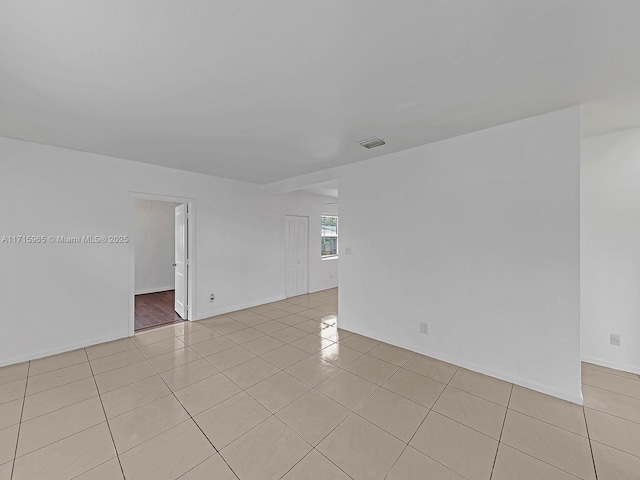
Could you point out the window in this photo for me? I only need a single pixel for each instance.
(329, 236)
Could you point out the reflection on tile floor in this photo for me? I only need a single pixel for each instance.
(278, 391)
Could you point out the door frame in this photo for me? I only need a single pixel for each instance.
(285, 251)
(191, 246)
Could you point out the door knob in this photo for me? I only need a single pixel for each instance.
(174, 265)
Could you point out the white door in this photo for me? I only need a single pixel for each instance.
(297, 250)
(181, 261)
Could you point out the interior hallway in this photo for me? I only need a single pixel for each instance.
(278, 391)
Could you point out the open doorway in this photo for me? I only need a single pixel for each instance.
(161, 251)
(609, 254)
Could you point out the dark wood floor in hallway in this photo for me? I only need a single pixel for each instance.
(154, 309)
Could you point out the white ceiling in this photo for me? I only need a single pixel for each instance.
(266, 90)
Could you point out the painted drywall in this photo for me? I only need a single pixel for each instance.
(61, 296)
(478, 236)
(323, 273)
(610, 249)
(154, 244)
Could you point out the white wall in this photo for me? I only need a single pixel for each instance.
(154, 238)
(57, 297)
(610, 249)
(323, 273)
(479, 237)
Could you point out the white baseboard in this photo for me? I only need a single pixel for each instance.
(242, 306)
(154, 290)
(616, 366)
(575, 398)
(328, 286)
(66, 348)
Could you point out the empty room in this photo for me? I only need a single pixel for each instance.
(302, 240)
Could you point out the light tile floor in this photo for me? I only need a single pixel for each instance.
(278, 391)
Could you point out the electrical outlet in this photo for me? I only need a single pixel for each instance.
(614, 339)
(212, 297)
(424, 328)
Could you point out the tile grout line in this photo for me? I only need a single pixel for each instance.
(477, 396)
(613, 391)
(285, 406)
(586, 365)
(504, 421)
(205, 460)
(240, 387)
(329, 460)
(138, 348)
(106, 418)
(126, 384)
(383, 429)
(354, 412)
(555, 467)
(613, 374)
(243, 390)
(190, 416)
(311, 388)
(67, 436)
(62, 384)
(24, 399)
(59, 368)
(547, 423)
(57, 409)
(274, 415)
(171, 392)
(533, 456)
(315, 355)
(241, 363)
(422, 422)
(593, 459)
(612, 415)
(618, 449)
(313, 449)
(351, 412)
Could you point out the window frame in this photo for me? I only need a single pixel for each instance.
(322, 236)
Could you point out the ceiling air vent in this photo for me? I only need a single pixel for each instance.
(372, 142)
